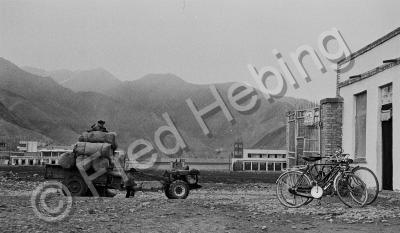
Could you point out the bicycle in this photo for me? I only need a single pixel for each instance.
(307, 183)
(366, 175)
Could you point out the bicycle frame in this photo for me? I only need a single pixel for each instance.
(325, 181)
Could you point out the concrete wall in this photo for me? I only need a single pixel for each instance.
(373, 58)
(374, 138)
(200, 166)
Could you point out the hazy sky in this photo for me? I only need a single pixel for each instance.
(202, 41)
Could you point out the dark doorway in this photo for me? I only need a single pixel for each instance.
(387, 155)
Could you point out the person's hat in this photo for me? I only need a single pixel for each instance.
(101, 122)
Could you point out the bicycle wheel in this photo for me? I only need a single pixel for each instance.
(351, 190)
(289, 181)
(369, 178)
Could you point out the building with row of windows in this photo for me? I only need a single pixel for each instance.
(29, 154)
(258, 160)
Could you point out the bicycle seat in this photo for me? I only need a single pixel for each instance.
(312, 158)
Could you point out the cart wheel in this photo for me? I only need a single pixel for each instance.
(178, 190)
(76, 185)
(166, 191)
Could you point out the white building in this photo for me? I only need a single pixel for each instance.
(261, 160)
(28, 146)
(371, 111)
(29, 154)
(51, 155)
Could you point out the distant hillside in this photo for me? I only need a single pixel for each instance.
(96, 80)
(134, 110)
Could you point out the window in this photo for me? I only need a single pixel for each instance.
(254, 166)
(360, 125)
(46, 154)
(247, 166)
(284, 165)
(278, 166)
(270, 166)
(263, 166)
(255, 156)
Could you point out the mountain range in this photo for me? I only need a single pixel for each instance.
(96, 80)
(59, 105)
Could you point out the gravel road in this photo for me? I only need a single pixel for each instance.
(214, 208)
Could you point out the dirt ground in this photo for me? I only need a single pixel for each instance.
(216, 207)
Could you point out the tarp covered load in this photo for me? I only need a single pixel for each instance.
(100, 163)
(95, 150)
(97, 164)
(100, 155)
(99, 137)
(88, 149)
(67, 160)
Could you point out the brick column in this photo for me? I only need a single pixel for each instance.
(331, 124)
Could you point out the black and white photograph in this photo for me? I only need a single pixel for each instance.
(199, 116)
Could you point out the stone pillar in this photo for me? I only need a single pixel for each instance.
(331, 124)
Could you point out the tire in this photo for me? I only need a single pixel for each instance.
(76, 185)
(370, 179)
(166, 191)
(292, 179)
(351, 190)
(178, 190)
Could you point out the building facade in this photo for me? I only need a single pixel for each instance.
(29, 154)
(368, 82)
(261, 160)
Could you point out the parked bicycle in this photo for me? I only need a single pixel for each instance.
(366, 175)
(300, 186)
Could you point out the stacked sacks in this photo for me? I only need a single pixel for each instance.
(99, 137)
(67, 160)
(103, 153)
(99, 144)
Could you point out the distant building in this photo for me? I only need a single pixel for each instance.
(28, 146)
(203, 164)
(25, 158)
(238, 149)
(30, 154)
(4, 157)
(51, 155)
(261, 160)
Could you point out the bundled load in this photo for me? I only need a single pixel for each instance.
(95, 149)
(67, 160)
(103, 152)
(99, 137)
(88, 149)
